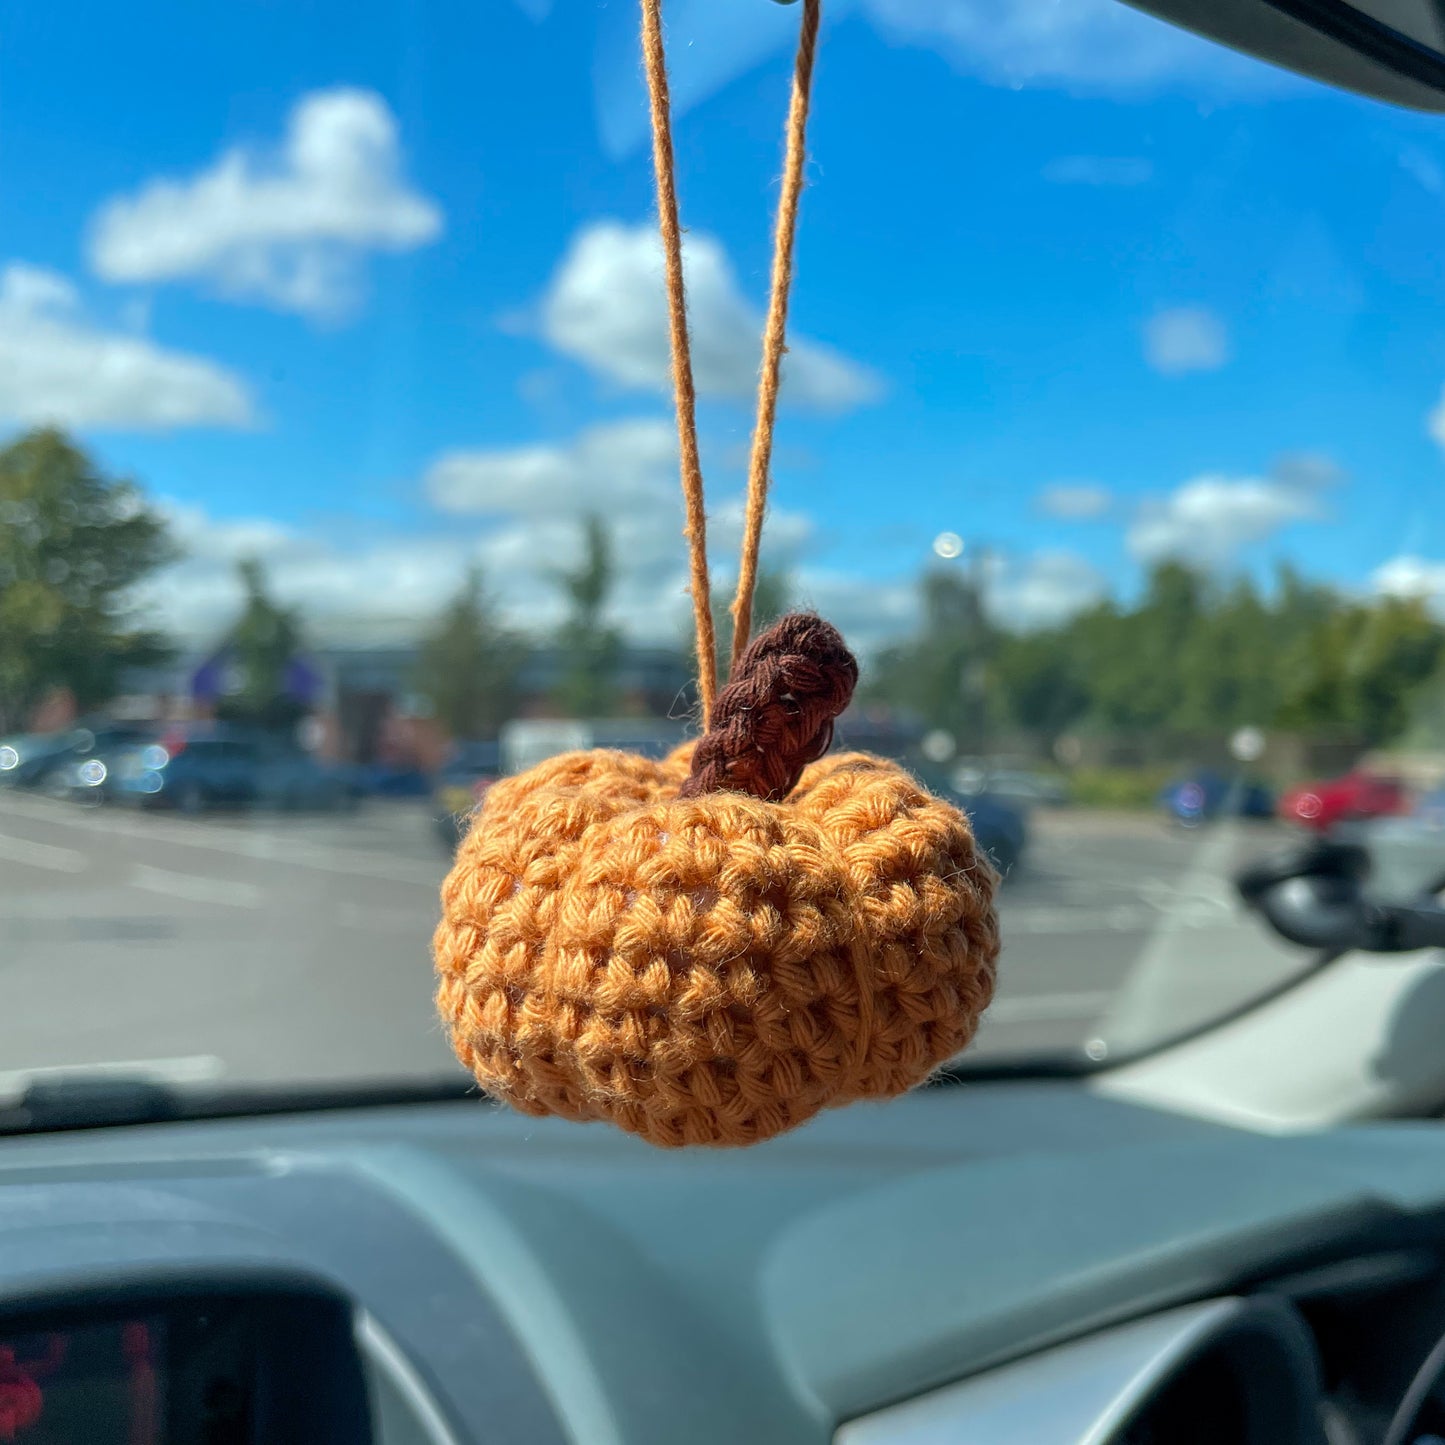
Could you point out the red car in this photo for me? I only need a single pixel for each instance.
(1356, 795)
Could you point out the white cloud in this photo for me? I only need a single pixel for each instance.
(1041, 590)
(606, 308)
(386, 589)
(1076, 502)
(376, 591)
(288, 229)
(57, 365)
(1023, 592)
(1185, 338)
(1088, 46)
(1410, 576)
(202, 538)
(618, 464)
(869, 612)
(515, 511)
(1210, 518)
(640, 502)
(1099, 171)
(784, 536)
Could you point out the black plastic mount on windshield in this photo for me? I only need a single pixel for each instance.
(1370, 37)
(1315, 897)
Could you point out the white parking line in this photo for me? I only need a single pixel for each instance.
(195, 889)
(42, 855)
(1182, 950)
(258, 843)
(1047, 1007)
(1045, 918)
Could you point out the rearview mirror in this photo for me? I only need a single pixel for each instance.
(1391, 49)
(1315, 896)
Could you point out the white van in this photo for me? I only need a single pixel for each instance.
(529, 741)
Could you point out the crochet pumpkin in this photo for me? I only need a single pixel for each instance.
(713, 948)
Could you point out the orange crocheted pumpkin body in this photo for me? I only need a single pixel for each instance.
(713, 969)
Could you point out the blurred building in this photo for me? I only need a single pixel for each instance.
(362, 702)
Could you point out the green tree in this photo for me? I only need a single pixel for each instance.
(262, 645)
(590, 649)
(1426, 727)
(1192, 656)
(468, 664)
(1040, 684)
(943, 673)
(1133, 659)
(1398, 647)
(1362, 671)
(74, 543)
(1228, 667)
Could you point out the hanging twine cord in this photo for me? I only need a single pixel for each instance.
(775, 332)
(785, 689)
(664, 165)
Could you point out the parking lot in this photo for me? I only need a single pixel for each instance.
(288, 948)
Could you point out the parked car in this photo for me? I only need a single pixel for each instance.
(999, 828)
(90, 773)
(29, 760)
(88, 776)
(1357, 795)
(386, 780)
(1022, 787)
(1202, 796)
(20, 752)
(999, 825)
(525, 742)
(460, 786)
(295, 780)
(189, 776)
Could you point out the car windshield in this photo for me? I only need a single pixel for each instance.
(339, 477)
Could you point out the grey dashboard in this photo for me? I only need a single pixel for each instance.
(523, 1280)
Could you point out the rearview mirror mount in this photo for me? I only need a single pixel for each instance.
(1315, 896)
(1393, 50)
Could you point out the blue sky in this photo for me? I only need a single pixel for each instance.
(372, 291)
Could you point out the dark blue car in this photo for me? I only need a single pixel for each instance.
(193, 774)
(1205, 795)
(1000, 827)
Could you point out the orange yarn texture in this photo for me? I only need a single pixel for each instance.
(716, 969)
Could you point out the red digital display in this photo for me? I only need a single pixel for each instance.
(99, 1385)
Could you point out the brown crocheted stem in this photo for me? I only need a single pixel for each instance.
(776, 714)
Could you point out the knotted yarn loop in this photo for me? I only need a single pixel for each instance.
(776, 714)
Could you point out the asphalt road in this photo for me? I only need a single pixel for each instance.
(274, 948)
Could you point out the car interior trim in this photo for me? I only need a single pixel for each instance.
(388, 1364)
(1087, 1391)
